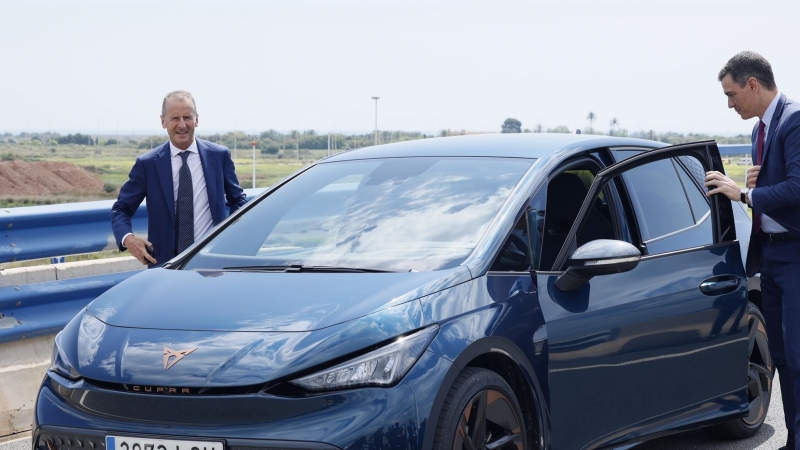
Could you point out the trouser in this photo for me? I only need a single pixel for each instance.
(780, 296)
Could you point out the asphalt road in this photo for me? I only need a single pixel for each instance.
(771, 437)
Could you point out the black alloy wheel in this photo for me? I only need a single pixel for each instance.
(480, 412)
(760, 371)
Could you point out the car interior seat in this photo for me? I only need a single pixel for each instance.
(565, 195)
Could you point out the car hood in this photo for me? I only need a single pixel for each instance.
(190, 300)
(136, 359)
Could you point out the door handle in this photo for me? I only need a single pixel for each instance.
(720, 285)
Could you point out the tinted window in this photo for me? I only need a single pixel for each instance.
(659, 199)
(393, 214)
(697, 198)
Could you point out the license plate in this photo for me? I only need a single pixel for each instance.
(137, 443)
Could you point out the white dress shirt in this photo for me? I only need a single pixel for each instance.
(767, 224)
(202, 212)
(203, 221)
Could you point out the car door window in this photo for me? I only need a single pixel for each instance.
(659, 199)
(693, 185)
(660, 232)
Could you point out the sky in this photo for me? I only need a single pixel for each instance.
(105, 66)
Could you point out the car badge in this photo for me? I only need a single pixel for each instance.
(178, 354)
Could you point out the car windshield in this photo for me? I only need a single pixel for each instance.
(393, 214)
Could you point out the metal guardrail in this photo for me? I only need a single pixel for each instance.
(33, 232)
(40, 309)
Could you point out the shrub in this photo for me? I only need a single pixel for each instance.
(109, 188)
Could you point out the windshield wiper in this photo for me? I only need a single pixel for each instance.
(304, 268)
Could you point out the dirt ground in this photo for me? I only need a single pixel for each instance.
(21, 178)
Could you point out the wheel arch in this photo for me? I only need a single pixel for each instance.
(503, 357)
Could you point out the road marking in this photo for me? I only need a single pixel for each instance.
(24, 366)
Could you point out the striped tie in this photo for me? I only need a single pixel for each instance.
(184, 209)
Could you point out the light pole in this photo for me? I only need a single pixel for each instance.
(376, 118)
(254, 162)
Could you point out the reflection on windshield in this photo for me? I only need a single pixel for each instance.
(396, 214)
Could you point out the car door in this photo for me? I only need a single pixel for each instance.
(664, 344)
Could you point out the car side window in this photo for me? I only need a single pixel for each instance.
(671, 211)
(692, 176)
(521, 250)
(659, 199)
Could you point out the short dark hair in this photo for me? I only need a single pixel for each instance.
(748, 64)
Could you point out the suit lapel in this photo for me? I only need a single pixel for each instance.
(211, 182)
(773, 125)
(164, 170)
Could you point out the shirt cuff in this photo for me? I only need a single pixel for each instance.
(750, 197)
(122, 242)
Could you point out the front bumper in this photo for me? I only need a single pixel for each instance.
(78, 415)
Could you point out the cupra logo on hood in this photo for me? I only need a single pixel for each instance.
(178, 354)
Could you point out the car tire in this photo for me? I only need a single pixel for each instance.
(480, 411)
(760, 370)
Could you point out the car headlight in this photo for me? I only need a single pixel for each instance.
(59, 362)
(381, 367)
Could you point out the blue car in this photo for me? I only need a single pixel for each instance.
(482, 292)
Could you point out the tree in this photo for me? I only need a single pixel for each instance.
(559, 129)
(511, 126)
(591, 118)
(613, 125)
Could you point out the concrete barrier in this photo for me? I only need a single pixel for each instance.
(23, 363)
(22, 367)
(64, 271)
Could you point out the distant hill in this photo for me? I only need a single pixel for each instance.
(21, 178)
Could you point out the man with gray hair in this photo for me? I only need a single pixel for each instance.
(190, 184)
(773, 192)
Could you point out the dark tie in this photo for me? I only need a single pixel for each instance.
(184, 209)
(759, 157)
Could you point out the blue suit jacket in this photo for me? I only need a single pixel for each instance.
(777, 190)
(151, 179)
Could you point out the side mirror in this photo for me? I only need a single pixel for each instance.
(600, 257)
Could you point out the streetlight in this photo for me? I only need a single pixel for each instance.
(376, 118)
(254, 162)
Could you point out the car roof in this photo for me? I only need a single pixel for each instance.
(516, 145)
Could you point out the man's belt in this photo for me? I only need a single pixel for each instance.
(779, 237)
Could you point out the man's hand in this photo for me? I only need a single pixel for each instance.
(752, 176)
(721, 184)
(138, 248)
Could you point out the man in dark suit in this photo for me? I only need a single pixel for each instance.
(186, 182)
(773, 191)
